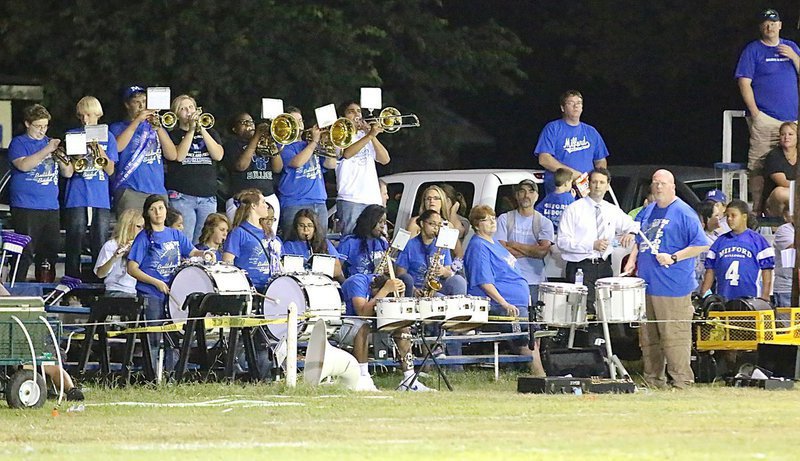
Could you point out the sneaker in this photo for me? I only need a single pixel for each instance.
(74, 395)
(417, 386)
(365, 384)
(438, 352)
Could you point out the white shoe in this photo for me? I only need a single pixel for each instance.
(417, 386)
(365, 384)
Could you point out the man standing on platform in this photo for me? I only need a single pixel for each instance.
(587, 233)
(674, 231)
(767, 77)
(570, 143)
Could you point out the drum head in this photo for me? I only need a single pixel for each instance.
(188, 280)
(309, 292)
(620, 282)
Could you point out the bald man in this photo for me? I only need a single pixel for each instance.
(677, 237)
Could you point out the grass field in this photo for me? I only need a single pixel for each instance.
(482, 419)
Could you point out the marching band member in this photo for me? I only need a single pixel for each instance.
(246, 169)
(191, 180)
(89, 189)
(34, 189)
(491, 273)
(302, 184)
(251, 245)
(361, 293)
(215, 231)
(154, 256)
(140, 171)
(434, 198)
(366, 247)
(174, 219)
(307, 238)
(356, 176)
(736, 258)
(417, 259)
(111, 265)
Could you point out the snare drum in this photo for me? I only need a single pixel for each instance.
(564, 304)
(624, 302)
(459, 309)
(480, 315)
(206, 278)
(395, 313)
(432, 309)
(315, 295)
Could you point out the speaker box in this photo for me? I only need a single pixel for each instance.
(783, 360)
(578, 362)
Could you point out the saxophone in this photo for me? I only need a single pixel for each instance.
(432, 283)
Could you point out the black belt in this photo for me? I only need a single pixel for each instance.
(596, 261)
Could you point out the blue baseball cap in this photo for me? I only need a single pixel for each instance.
(131, 91)
(768, 15)
(716, 195)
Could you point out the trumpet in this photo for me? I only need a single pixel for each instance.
(340, 135)
(266, 147)
(391, 120)
(205, 120)
(60, 155)
(168, 120)
(98, 159)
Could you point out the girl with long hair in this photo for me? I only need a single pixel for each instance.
(307, 237)
(213, 235)
(436, 199)
(111, 265)
(251, 245)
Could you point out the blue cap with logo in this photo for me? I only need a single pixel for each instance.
(131, 91)
(768, 15)
(716, 195)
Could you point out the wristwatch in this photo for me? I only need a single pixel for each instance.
(674, 258)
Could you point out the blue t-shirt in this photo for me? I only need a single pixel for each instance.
(304, 185)
(417, 257)
(90, 187)
(148, 177)
(488, 262)
(577, 147)
(296, 247)
(204, 247)
(248, 251)
(360, 258)
(356, 286)
(774, 78)
(553, 204)
(736, 260)
(158, 255)
(36, 189)
(670, 229)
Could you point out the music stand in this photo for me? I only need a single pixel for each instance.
(419, 329)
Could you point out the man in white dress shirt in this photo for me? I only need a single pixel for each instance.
(587, 233)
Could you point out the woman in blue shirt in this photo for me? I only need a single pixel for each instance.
(366, 246)
(89, 188)
(307, 237)
(251, 245)
(418, 255)
(155, 254)
(213, 235)
(34, 189)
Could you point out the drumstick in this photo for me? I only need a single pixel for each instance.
(391, 274)
(270, 299)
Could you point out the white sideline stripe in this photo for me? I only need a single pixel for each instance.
(209, 446)
(209, 403)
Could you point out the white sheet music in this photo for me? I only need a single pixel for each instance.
(371, 98)
(158, 98)
(271, 108)
(97, 133)
(326, 115)
(76, 144)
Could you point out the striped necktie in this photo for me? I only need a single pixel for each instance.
(601, 224)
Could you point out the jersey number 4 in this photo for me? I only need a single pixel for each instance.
(732, 274)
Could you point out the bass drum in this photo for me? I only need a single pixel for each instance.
(315, 295)
(201, 278)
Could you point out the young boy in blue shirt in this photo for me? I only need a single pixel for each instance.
(554, 203)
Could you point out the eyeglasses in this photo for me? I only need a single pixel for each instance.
(269, 219)
(433, 223)
(40, 127)
(305, 226)
(247, 122)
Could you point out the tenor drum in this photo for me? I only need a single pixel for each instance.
(480, 315)
(623, 299)
(206, 278)
(564, 304)
(315, 295)
(394, 313)
(432, 308)
(459, 309)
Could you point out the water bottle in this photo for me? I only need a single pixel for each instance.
(579, 277)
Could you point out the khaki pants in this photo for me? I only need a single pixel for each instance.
(667, 342)
(764, 136)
